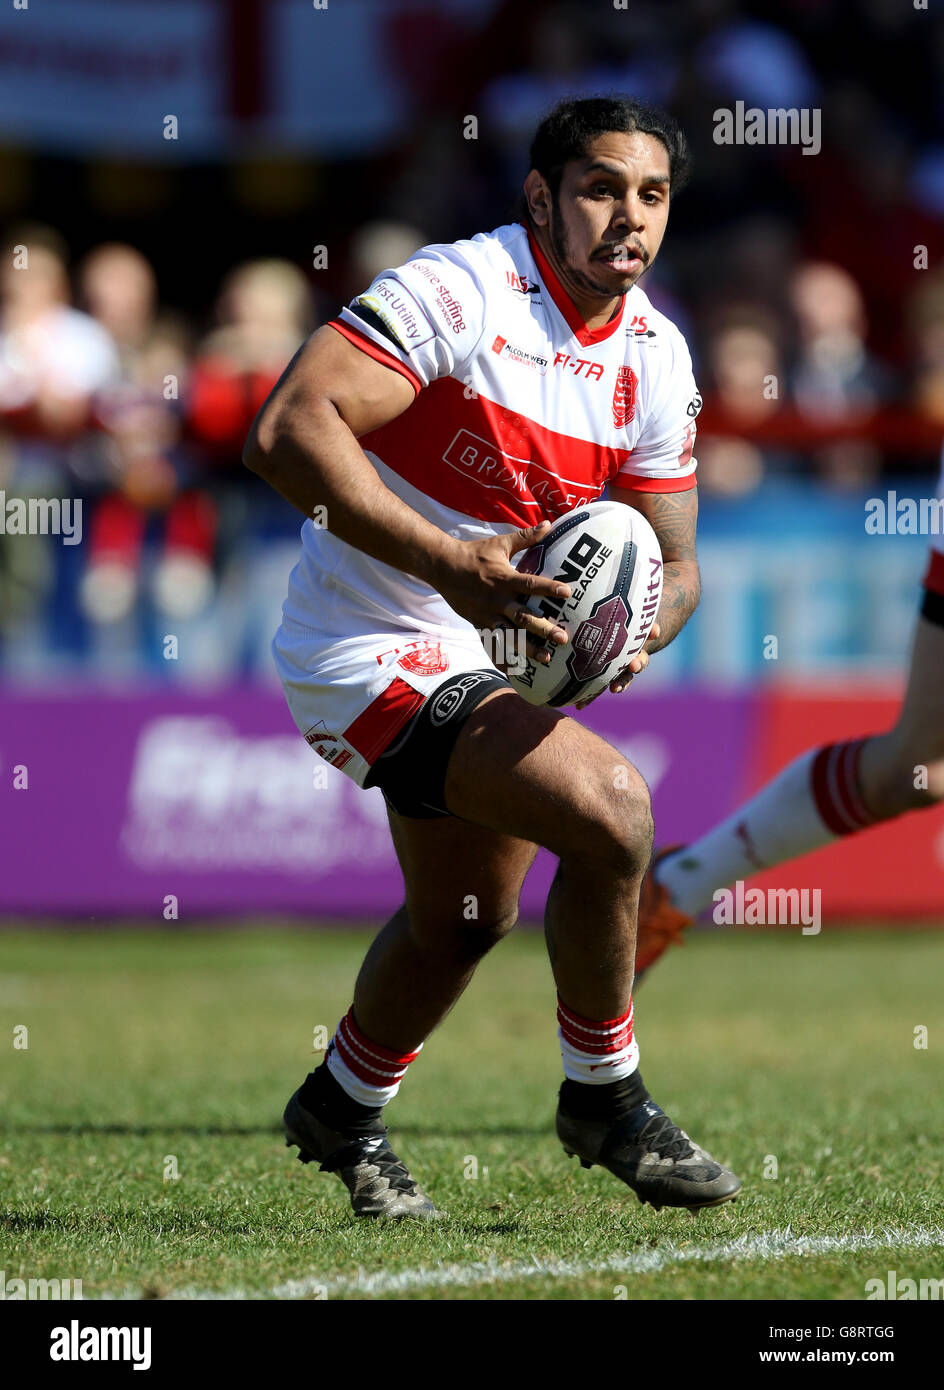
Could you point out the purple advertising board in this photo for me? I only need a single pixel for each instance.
(111, 804)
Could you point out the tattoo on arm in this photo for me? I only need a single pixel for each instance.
(681, 589)
(673, 516)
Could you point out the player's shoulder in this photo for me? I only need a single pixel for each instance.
(479, 254)
(651, 328)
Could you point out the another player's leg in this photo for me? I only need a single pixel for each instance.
(825, 794)
(535, 774)
(462, 888)
(904, 770)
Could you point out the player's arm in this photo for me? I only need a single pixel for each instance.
(304, 443)
(673, 517)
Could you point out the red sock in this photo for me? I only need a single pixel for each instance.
(369, 1073)
(594, 1051)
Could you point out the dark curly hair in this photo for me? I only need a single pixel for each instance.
(567, 130)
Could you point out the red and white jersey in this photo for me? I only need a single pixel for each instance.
(521, 411)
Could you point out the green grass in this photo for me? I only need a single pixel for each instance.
(144, 1045)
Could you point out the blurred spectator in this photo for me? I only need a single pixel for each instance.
(926, 322)
(821, 347)
(53, 359)
(835, 377)
(265, 312)
(834, 374)
(138, 468)
(118, 286)
(743, 382)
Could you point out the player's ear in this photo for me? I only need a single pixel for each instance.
(539, 198)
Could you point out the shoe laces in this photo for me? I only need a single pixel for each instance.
(376, 1151)
(663, 1136)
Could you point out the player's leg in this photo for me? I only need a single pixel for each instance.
(826, 793)
(535, 773)
(467, 746)
(462, 889)
(516, 776)
(903, 770)
(540, 776)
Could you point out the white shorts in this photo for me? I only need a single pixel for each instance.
(352, 696)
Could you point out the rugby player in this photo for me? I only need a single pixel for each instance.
(828, 792)
(438, 426)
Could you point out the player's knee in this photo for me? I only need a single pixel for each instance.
(619, 828)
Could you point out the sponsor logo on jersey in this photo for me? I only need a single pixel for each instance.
(520, 283)
(424, 659)
(522, 356)
(624, 397)
(530, 483)
(592, 371)
(639, 330)
(448, 306)
(685, 456)
(398, 311)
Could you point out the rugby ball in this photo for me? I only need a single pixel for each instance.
(609, 556)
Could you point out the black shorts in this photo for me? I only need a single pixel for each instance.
(412, 772)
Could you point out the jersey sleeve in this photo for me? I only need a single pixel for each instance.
(423, 319)
(663, 459)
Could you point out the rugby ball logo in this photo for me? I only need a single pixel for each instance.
(609, 556)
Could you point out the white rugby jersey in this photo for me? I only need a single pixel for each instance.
(521, 413)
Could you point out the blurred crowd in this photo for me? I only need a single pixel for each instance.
(107, 397)
(811, 289)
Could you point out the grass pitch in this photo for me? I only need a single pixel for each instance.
(150, 1054)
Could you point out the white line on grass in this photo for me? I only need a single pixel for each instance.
(770, 1245)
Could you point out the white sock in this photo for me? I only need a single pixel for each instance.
(813, 801)
(596, 1052)
(369, 1073)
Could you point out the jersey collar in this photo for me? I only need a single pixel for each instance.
(585, 336)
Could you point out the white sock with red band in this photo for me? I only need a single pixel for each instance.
(812, 802)
(369, 1073)
(596, 1052)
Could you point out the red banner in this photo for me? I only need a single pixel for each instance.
(894, 870)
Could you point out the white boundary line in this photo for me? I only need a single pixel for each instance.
(770, 1245)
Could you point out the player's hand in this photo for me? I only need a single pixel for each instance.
(623, 679)
(479, 581)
